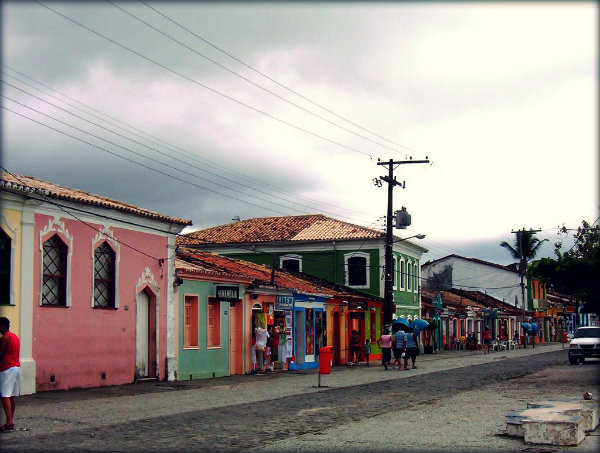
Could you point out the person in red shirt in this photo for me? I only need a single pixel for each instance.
(486, 340)
(10, 372)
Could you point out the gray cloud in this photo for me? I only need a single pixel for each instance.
(444, 80)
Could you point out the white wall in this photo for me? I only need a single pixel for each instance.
(473, 276)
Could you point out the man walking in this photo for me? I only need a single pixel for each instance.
(10, 372)
(399, 348)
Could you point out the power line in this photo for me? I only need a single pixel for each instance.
(275, 81)
(250, 81)
(153, 149)
(82, 221)
(67, 210)
(156, 141)
(213, 90)
(139, 163)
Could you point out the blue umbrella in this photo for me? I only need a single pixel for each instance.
(534, 328)
(401, 324)
(526, 325)
(419, 325)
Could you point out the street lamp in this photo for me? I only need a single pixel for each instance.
(418, 236)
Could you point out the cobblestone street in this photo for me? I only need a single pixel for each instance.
(453, 399)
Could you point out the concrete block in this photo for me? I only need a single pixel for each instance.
(561, 430)
(515, 430)
(588, 409)
(554, 422)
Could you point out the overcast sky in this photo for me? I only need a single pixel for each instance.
(299, 102)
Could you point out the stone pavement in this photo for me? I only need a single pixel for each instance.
(62, 411)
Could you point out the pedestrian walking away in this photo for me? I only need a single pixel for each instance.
(411, 348)
(399, 348)
(385, 343)
(10, 373)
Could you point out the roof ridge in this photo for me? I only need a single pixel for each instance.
(54, 190)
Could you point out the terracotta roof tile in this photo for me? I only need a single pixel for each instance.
(29, 184)
(272, 229)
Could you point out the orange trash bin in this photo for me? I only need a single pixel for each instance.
(325, 357)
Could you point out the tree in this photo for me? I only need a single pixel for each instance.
(525, 248)
(575, 271)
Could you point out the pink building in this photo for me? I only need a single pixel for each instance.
(102, 276)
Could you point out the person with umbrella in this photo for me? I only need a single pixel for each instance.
(411, 348)
(399, 347)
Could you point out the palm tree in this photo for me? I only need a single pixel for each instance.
(525, 248)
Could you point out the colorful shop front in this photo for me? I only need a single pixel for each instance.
(318, 313)
(269, 306)
(209, 306)
(347, 312)
(302, 315)
(309, 330)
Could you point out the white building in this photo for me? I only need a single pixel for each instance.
(471, 274)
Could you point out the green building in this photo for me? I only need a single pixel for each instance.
(324, 247)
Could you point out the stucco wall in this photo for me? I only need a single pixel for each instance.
(472, 276)
(78, 343)
(202, 362)
(10, 221)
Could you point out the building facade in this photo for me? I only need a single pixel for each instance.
(91, 285)
(342, 253)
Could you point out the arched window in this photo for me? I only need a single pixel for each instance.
(416, 277)
(409, 276)
(357, 269)
(104, 277)
(5, 254)
(54, 284)
(402, 272)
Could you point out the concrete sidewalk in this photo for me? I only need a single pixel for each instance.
(56, 411)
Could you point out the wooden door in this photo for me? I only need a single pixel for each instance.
(235, 339)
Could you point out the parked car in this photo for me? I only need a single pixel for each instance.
(585, 344)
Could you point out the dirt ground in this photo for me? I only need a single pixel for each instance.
(473, 420)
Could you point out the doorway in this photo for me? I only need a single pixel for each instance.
(337, 348)
(299, 337)
(145, 336)
(356, 321)
(235, 338)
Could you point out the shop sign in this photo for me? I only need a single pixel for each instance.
(492, 314)
(356, 306)
(461, 316)
(228, 294)
(284, 303)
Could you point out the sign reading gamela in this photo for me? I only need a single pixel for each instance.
(228, 293)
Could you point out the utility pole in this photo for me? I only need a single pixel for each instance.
(522, 265)
(388, 295)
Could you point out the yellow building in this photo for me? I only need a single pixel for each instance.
(16, 284)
